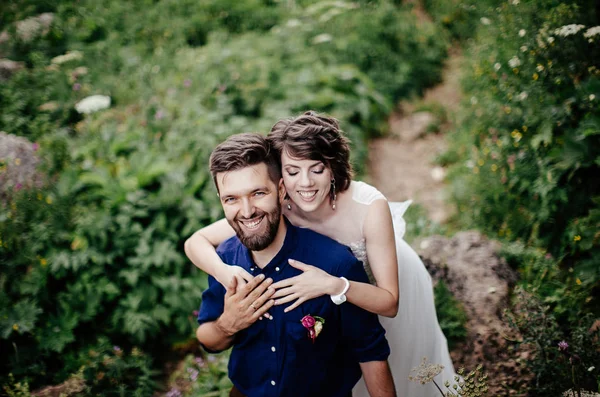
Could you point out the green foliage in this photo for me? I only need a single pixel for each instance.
(556, 369)
(102, 370)
(452, 315)
(526, 160)
(197, 376)
(528, 143)
(461, 18)
(98, 251)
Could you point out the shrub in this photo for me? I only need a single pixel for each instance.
(97, 252)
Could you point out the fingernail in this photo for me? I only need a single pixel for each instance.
(291, 261)
(261, 276)
(269, 280)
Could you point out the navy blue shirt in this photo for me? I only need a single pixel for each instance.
(277, 357)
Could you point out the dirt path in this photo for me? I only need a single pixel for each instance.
(401, 165)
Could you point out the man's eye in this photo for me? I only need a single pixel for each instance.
(259, 193)
(228, 200)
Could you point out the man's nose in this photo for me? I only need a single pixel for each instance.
(247, 208)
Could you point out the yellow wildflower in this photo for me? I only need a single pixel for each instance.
(16, 327)
(536, 76)
(476, 170)
(577, 238)
(17, 161)
(578, 281)
(49, 200)
(524, 128)
(494, 168)
(480, 162)
(43, 262)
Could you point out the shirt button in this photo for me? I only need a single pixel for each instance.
(276, 269)
(273, 382)
(273, 348)
(252, 269)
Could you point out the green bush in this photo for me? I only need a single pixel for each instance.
(452, 315)
(527, 166)
(529, 142)
(97, 252)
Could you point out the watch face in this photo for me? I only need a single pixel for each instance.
(343, 298)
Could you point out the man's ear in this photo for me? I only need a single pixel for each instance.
(281, 191)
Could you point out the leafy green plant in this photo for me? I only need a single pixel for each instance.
(451, 314)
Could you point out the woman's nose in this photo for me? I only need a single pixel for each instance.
(305, 180)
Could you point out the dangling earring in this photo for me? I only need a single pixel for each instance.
(333, 194)
(288, 205)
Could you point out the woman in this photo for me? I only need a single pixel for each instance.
(317, 175)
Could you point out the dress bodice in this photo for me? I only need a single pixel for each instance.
(359, 249)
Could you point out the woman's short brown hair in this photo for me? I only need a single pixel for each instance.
(315, 137)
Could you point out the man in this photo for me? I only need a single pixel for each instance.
(313, 350)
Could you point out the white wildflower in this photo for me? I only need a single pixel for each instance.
(582, 393)
(524, 48)
(92, 104)
(485, 21)
(568, 30)
(68, 57)
(292, 23)
(474, 100)
(522, 33)
(425, 372)
(322, 38)
(590, 369)
(591, 32)
(550, 39)
(514, 62)
(522, 96)
(539, 68)
(497, 66)
(514, 2)
(592, 97)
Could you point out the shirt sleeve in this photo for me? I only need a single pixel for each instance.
(361, 330)
(213, 302)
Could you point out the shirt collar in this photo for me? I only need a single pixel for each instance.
(280, 259)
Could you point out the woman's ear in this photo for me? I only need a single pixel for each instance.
(281, 190)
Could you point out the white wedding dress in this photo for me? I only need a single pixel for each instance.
(414, 333)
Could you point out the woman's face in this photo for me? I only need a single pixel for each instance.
(308, 182)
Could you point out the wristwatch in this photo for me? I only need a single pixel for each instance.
(341, 298)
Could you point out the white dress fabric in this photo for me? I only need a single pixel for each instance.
(415, 332)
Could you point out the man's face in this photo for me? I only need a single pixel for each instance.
(252, 204)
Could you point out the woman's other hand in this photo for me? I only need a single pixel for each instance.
(312, 283)
(227, 273)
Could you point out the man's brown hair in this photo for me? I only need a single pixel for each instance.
(244, 150)
(315, 137)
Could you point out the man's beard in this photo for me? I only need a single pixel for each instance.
(259, 241)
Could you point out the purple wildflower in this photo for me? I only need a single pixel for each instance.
(563, 346)
(212, 359)
(199, 361)
(18, 186)
(76, 87)
(35, 146)
(187, 83)
(159, 115)
(174, 392)
(195, 313)
(194, 375)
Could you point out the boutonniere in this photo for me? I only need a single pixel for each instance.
(314, 325)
